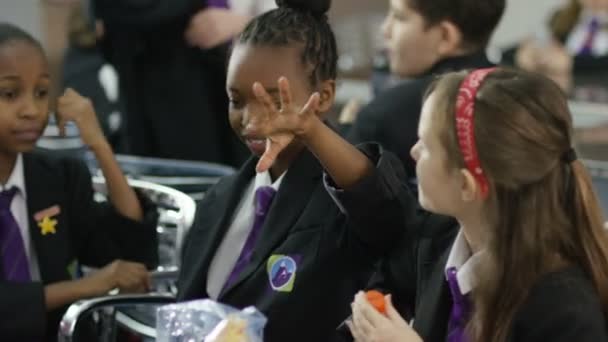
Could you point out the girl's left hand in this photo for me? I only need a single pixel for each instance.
(74, 107)
(281, 125)
(369, 325)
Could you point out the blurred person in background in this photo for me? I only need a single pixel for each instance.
(86, 71)
(171, 58)
(423, 39)
(574, 43)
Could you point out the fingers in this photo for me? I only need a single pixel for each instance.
(363, 326)
(134, 284)
(285, 93)
(354, 330)
(70, 92)
(132, 277)
(312, 105)
(368, 312)
(69, 102)
(268, 158)
(391, 312)
(61, 122)
(265, 99)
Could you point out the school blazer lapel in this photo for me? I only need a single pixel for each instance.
(287, 206)
(434, 305)
(205, 242)
(46, 195)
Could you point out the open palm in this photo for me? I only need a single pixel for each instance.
(280, 126)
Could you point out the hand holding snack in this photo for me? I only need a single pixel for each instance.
(376, 299)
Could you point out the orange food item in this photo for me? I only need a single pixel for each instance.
(376, 299)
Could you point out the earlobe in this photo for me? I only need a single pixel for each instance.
(469, 188)
(327, 90)
(451, 39)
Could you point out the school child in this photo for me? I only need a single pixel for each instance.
(423, 39)
(527, 259)
(572, 49)
(49, 223)
(276, 239)
(520, 255)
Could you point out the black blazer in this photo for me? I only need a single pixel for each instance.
(391, 119)
(87, 232)
(333, 252)
(562, 306)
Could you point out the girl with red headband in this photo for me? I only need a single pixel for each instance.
(526, 258)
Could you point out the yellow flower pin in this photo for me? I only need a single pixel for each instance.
(47, 226)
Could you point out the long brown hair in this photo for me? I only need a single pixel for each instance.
(564, 19)
(542, 211)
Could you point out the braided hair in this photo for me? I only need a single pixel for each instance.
(302, 22)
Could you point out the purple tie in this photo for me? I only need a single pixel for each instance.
(263, 198)
(592, 31)
(217, 3)
(461, 309)
(14, 260)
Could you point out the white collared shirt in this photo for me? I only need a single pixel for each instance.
(461, 258)
(242, 222)
(19, 211)
(578, 35)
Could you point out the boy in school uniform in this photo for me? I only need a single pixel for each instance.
(49, 223)
(423, 39)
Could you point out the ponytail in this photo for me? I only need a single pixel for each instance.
(588, 223)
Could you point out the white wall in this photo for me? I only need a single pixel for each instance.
(24, 13)
(522, 18)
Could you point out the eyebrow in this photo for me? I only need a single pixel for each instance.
(270, 91)
(9, 77)
(16, 78)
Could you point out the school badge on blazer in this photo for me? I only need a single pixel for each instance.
(45, 220)
(282, 271)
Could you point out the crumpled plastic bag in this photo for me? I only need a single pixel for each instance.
(208, 321)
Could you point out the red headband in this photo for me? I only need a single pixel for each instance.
(465, 125)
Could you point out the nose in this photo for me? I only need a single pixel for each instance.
(29, 107)
(414, 151)
(245, 114)
(252, 113)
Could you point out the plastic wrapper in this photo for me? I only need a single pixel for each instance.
(208, 321)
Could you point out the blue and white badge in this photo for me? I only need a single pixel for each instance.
(281, 272)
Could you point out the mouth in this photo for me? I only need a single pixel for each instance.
(27, 135)
(256, 145)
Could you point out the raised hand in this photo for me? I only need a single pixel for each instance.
(78, 109)
(281, 125)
